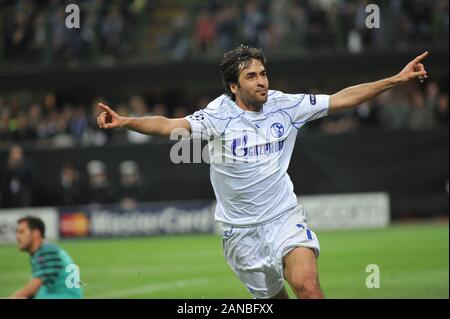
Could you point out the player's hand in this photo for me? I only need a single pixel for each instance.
(414, 70)
(108, 118)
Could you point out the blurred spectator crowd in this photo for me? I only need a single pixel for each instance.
(137, 30)
(19, 181)
(409, 108)
(35, 31)
(290, 27)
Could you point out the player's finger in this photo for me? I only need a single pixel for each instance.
(102, 119)
(419, 67)
(99, 119)
(105, 108)
(420, 74)
(421, 57)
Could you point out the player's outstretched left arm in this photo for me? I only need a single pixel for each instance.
(355, 95)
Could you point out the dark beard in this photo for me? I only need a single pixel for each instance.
(254, 105)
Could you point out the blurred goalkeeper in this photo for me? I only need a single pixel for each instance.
(53, 273)
(251, 132)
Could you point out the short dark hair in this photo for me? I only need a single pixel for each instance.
(34, 223)
(235, 61)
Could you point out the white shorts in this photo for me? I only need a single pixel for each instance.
(255, 253)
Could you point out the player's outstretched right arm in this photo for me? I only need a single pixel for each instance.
(150, 125)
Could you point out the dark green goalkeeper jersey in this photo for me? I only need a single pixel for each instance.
(60, 276)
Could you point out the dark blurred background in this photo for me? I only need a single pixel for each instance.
(161, 58)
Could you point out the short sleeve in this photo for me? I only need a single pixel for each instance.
(303, 108)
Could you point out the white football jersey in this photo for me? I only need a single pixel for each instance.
(250, 153)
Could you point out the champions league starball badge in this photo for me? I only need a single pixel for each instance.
(198, 117)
